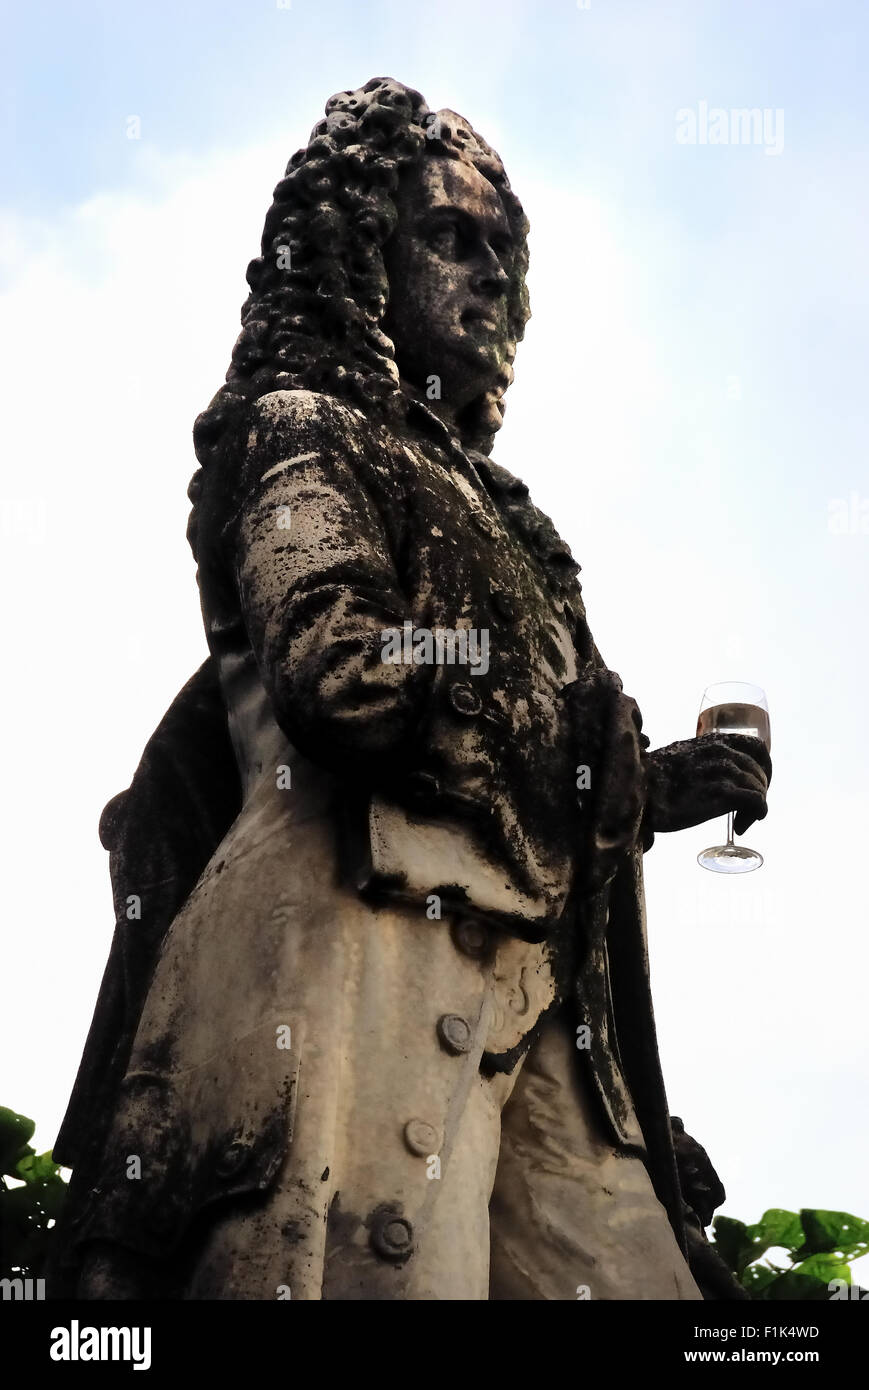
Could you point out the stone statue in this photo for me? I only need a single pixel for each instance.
(376, 1021)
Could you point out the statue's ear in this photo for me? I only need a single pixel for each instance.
(112, 820)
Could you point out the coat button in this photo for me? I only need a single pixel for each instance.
(421, 1138)
(455, 1034)
(518, 999)
(472, 938)
(504, 605)
(392, 1236)
(464, 699)
(233, 1160)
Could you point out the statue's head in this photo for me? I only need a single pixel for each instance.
(392, 265)
(449, 265)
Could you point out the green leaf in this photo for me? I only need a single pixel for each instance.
(52, 1195)
(22, 1212)
(740, 1245)
(776, 1227)
(733, 1243)
(36, 1168)
(793, 1285)
(26, 1210)
(825, 1267)
(756, 1278)
(15, 1131)
(833, 1231)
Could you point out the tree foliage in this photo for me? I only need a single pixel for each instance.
(30, 1207)
(821, 1246)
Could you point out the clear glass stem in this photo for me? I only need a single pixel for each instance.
(730, 830)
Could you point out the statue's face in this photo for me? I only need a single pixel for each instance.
(448, 264)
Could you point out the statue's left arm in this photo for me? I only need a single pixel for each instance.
(697, 779)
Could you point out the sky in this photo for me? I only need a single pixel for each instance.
(689, 406)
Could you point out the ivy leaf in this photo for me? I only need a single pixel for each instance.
(15, 1131)
(22, 1213)
(756, 1278)
(733, 1243)
(52, 1195)
(740, 1245)
(793, 1284)
(824, 1267)
(776, 1227)
(36, 1168)
(833, 1232)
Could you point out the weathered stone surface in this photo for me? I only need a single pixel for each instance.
(387, 845)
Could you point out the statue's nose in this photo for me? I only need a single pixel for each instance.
(489, 275)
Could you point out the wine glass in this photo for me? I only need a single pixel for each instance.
(732, 707)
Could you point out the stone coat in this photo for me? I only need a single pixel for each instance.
(409, 784)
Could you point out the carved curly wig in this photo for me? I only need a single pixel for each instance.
(319, 288)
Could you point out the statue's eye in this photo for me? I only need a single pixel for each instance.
(445, 239)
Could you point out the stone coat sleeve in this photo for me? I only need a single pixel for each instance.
(318, 586)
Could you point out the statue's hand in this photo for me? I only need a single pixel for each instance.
(698, 779)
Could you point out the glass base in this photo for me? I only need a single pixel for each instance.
(730, 859)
